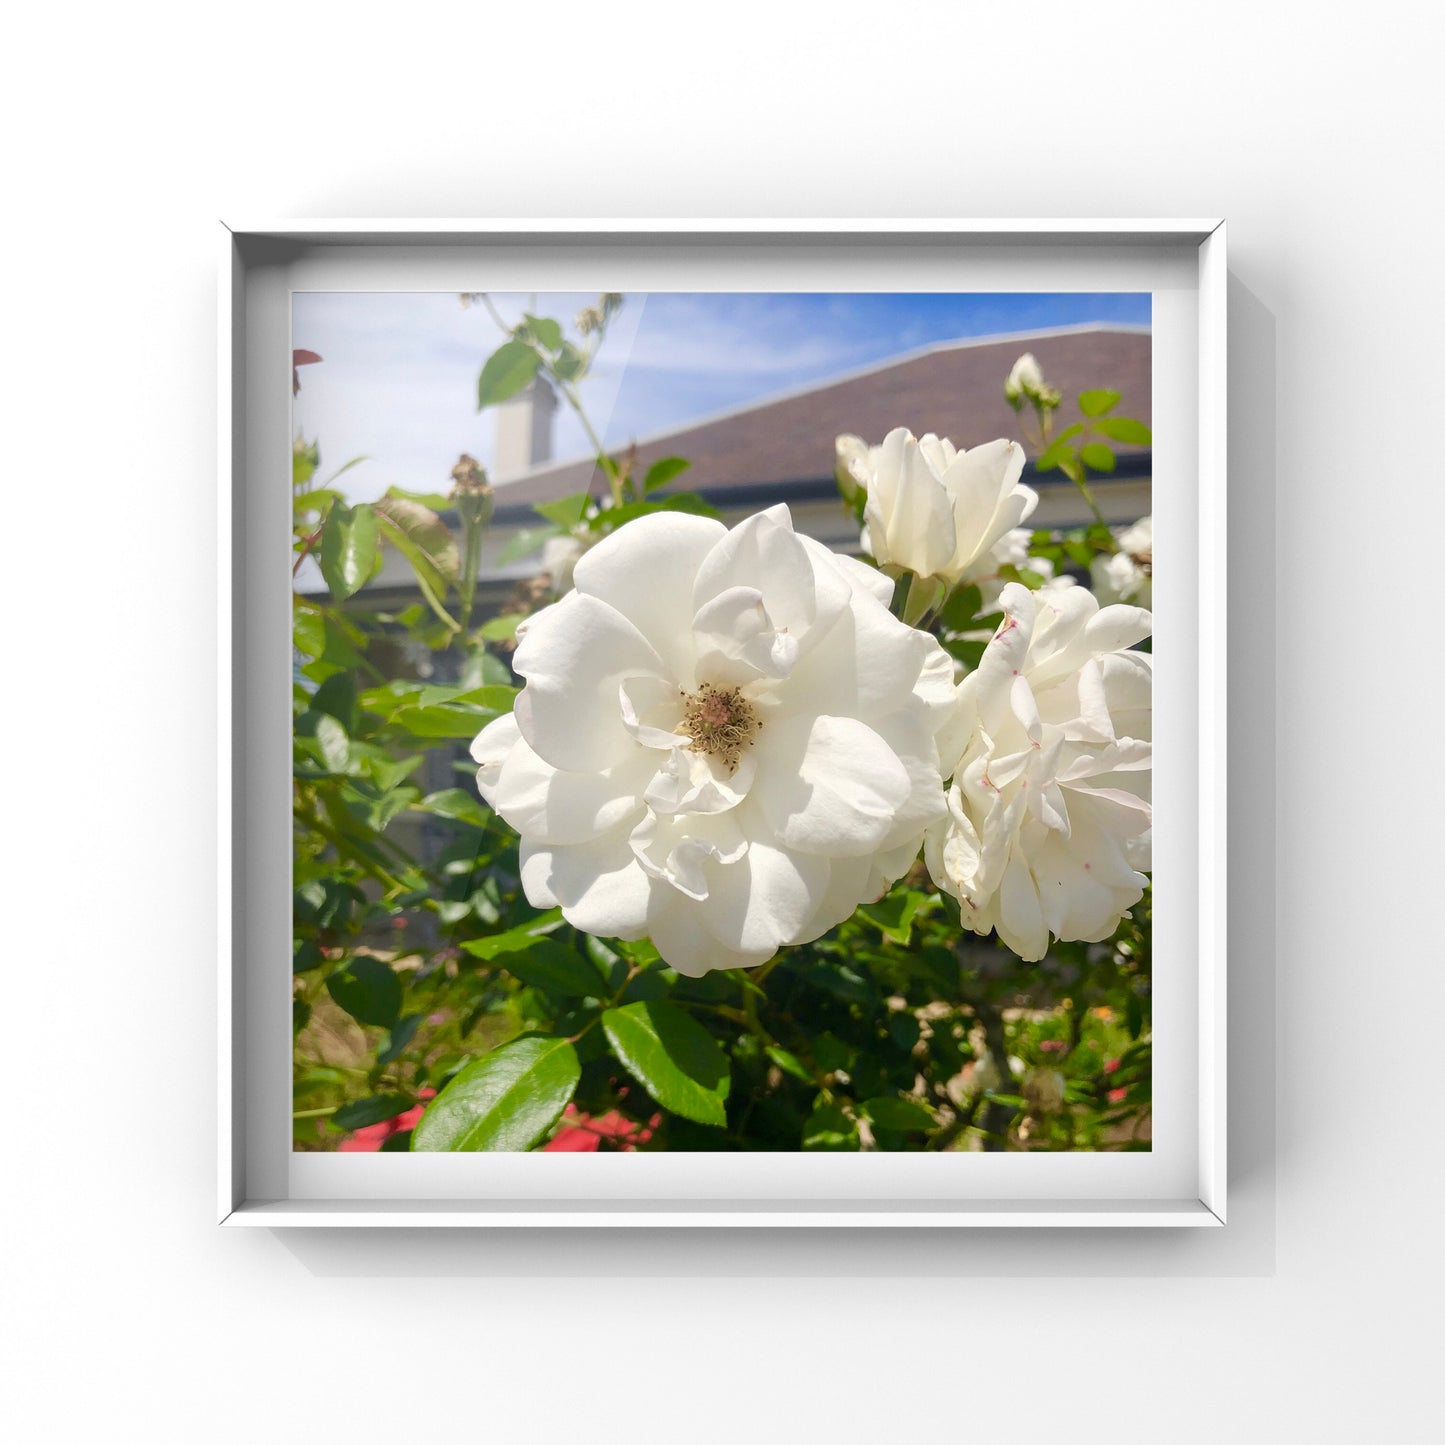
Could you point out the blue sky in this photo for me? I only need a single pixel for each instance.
(398, 380)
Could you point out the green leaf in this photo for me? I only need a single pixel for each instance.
(333, 742)
(890, 1112)
(514, 939)
(961, 608)
(614, 517)
(419, 529)
(659, 474)
(505, 1101)
(368, 990)
(509, 368)
(1096, 403)
(548, 965)
(673, 1057)
(503, 628)
(1055, 455)
(443, 721)
(789, 1063)
(308, 632)
(569, 363)
(358, 1113)
(305, 458)
(1125, 429)
(547, 331)
(317, 500)
(345, 467)
(437, 501)
(527, 541)
(565, 511)
(893, 914)
(829, 1129)
(1097, 457)
(337, 698)
(458, 805)
(348, 549)
(403, 1031)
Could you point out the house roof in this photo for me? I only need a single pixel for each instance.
(954, 389)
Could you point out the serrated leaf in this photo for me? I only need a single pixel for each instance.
(507, 1100)
(443, 721)
(349, 539)
(1096, 403)
(659, 474)
(547, 964)
(508, 369)
(514, 939)
(890, 1112)
(426, 532)
(368, 990)
(1125, 429)
(673, 1057)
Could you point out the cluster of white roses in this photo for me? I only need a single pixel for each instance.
(726, 741)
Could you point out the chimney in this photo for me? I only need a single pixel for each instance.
(524, 430)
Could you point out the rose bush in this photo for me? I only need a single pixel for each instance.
(690, 908)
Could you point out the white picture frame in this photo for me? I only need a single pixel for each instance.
(1181, 1182)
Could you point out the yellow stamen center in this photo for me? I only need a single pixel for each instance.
(720, 721)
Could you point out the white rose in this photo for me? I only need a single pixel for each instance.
(1048, 826)
(1128, 574)
(935, 510)
(725, 743)
(853, 465)
(1026, 378)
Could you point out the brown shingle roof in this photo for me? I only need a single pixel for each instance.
(954, 390)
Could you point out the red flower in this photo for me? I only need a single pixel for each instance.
(585, 1133)
(370, 1138)
(1111, 1066)
(1117, 1096)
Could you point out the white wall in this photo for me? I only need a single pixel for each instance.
(131, 129)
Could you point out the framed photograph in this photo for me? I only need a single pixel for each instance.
(706, 727)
